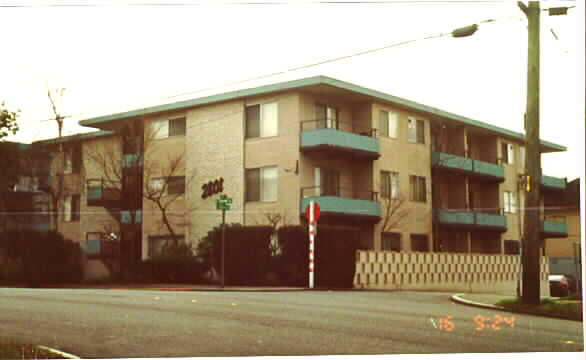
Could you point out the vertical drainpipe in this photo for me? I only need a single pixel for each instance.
(468, 234)
(243, 139)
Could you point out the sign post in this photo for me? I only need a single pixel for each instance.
(223, 203)
(312, 214)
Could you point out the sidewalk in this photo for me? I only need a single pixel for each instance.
(180, 287)
(488, 301)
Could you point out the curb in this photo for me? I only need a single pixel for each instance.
(212, 289)
(457, 298)
(58, 352)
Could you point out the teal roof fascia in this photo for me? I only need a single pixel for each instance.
(311, 81)
(75, 137)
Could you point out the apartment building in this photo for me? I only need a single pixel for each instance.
(395, 174)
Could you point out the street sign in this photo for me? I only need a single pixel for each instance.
(315, 211)
(223, 203)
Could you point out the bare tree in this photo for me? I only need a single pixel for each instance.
(394, 213)
(158, 174)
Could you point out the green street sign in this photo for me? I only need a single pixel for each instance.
(223, 203)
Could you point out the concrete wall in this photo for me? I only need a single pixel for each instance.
(478, 273)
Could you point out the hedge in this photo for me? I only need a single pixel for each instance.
(37, 258)
(169, 269)
(335, 257)
(247, 253)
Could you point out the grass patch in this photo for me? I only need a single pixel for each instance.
(14, 350)
(567, 308)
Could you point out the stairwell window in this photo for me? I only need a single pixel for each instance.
(262, 120)
(389, 185)
(327, 117)
(389, 124)
(510, 201)
(261, 184)
(176, 185)
(416, 131)
(417, 188)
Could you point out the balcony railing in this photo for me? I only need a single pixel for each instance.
(475, 219)
(554, 227)
(104, 193)
(339, 136)
(469, 166)
(343, 202)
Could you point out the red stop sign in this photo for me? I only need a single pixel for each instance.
(315, 211)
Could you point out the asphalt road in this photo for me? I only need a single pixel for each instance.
(137, 323)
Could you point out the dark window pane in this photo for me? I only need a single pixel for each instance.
(76, 159)
(321, 115)
(385, 184)
(504, 153)
(253, 121)
(512, 247)
(177, 127)
(384, 123)
(253, 185)
(419, 243)
(176, 185)
(330, 182)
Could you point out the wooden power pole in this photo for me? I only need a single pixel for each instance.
(532, 222)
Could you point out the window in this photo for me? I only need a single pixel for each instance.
(327, 117)
(416, 131)
(261, 184)
(157, 184)
(389, 185)
(389, 124)
(169, 127)
(418, 188)
(510, 202)
(72, 161)
(327, 182)
(71, 208)
(508, 153)
(512, 247)
(419, 243)
(391, 241)
(262, 120)
(176, 185)
(522, 156)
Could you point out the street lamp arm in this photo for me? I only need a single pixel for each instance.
(523, 7)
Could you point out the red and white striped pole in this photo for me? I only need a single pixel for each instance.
(312, 229)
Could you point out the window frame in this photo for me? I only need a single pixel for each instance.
(510, 202)
(389, 120)
(182, 129)
(254, 133)
(417, 188)
(390, 188)
(390, 236)
(415, 130)
(171, 185)
(260, 179)
(328, 123)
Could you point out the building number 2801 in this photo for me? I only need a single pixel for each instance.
(212, 187)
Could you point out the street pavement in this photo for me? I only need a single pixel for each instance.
(105, 323)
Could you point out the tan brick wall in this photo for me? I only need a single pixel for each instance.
(442, 272)
(564, 247)
(214, 143)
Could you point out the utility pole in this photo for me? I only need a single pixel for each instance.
(532, 224)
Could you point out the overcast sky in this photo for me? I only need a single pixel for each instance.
(119, 57)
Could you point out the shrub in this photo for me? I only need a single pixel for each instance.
(168, 269)
(42, 258)
(247, 253)
(335, 256)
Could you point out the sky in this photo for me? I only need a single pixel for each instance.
(119, 55)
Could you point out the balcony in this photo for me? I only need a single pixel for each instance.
(553, 183)
(343, 204)
(554, 227)
(477, 168)
(362, 145)
(103, 193)
(471, 220)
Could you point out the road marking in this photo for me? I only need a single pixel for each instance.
(193, 301)
(568, 342)
(157, 298)
(234, 304)
(57, 352)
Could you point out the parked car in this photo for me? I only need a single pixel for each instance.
(559, 285)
